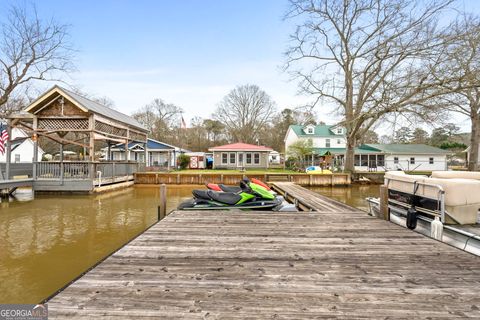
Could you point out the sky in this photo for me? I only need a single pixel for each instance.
(189, 52)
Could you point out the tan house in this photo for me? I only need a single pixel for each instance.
(240, 155)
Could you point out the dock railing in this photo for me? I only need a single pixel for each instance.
(84, 170)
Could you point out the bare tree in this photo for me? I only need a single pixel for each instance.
(245, 111)
(31, 49)
(103, 100)
(464, 63)
(162, 119)
(370, 58)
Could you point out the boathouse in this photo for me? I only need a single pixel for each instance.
(68, 118)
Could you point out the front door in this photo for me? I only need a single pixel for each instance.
(240, 160)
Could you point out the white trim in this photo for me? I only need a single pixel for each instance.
(55, 89)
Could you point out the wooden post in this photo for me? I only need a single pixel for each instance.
(162, 208)
(61, 164)
(384, 211)
(8, 156)
(145, 154)
(35, 148)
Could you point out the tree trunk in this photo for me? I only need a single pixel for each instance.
(349, 155)
(473, 164)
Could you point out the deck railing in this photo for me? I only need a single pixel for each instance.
(83, 170)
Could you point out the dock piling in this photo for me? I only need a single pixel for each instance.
(384, 212)
(162, 208)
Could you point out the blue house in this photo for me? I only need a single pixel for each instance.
(158, 154)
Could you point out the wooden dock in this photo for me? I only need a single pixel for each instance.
(7, 187)
(262, 265)
(308, 200)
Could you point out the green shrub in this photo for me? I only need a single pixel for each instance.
(183, 161)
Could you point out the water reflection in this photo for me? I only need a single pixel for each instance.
(353, 195)
(47, 242)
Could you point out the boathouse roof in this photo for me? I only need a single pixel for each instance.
(86, 105)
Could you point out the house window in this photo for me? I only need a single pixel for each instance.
(232, 158)
(395, 159)
(224, 158)
(364, 160)
(372, 161)
(17, 158)
(339, 141)
(256, 158)
(430, 160)
(339, 130)
(327, 143)
(356, 161)
(412, 160)
(309, 130)
(380, 160)
(249, 158)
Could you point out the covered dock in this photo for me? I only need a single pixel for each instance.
(68, 118)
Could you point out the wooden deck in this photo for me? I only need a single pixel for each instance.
(7, 187)
(260, 265)
(309, 200)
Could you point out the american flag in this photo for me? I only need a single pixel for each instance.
(3, 137)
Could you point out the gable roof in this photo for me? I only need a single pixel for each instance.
(151, 145)
(239, 146)
(157, 145)
(321, 130)
(17, 142)
(89, 105)
(404, 148)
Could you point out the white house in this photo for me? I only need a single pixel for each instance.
(322, 136)
(329, 143)
(159, 154)
(22, 148)
(409, 157)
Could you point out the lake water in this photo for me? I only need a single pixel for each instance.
(47, 242)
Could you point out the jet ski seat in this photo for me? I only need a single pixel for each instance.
(230, 198)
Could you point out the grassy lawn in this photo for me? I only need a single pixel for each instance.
(252, 171)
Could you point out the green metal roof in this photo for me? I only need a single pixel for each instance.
(335, 151)
(403, 148)
(319, 131)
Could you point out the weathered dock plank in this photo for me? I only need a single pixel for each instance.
(257, 265)
(307, 199)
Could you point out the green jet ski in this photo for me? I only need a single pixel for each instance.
(251, 196)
